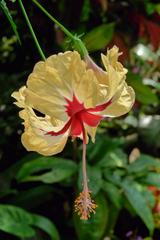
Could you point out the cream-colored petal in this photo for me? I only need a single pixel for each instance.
(42, 77)
(112, 59)
(114, 78)
(115, 82)
(46, 146)
(54, 80)
(116, 73)
(88, 90)
(91, 131)
(69, 66)
(122, 104)
(34, 137)
(46, 106)
(20, 97)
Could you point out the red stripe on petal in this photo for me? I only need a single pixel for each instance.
(63, 130)
(90, 119)
(100, 107)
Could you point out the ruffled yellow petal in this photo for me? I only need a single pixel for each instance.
(59, 77)
(122, 103)
(88, 90)
(112, 80)
(91, 131)
(34, 137)
(112, 59)
(116, 73)
(45, 106)
(20, 97)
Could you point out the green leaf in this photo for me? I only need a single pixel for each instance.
(152, 83)
(115, 176)
(150, 8)
(150, 199)
(117, 158)
(144, 93)
(10, 19)
(32, 197)
(9, 174)
(94, 177)
(103, 145)
(94, 227)
(143, 163)
(99, 37)
(86, 10)
(113, 193)
(152, 179)
(19, 222)
(139, 204)
(57, 169)
(46, 225)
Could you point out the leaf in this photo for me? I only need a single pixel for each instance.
(8, 175)
(152, 179)
(94, 227)
(99, 37)
(103, 145)
(115, 176)
(86, 10)
(19, 222)
(113, 193)
(143, 163)
(32, 197)
(57, 169)
(144, 93)
(150, 7)
(116, 158)
(46, 225)
(94, 177)
(138, 202)
(150, 199)
(152, 83)
(10, 19)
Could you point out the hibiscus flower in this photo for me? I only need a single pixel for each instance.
(73, 96)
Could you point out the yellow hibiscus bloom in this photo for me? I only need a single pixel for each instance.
(74, 95)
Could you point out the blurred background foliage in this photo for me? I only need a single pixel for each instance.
(37, 193)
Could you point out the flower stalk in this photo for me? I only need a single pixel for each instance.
(84, 169)
(77, 42)
(31, 30)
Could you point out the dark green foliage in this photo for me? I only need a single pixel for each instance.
(6, 11)
(18, 222)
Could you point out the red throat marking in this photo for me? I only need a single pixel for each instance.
(78, 116)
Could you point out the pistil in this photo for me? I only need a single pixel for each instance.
(84, 205)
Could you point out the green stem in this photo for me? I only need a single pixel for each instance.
(31, 30)
(68, 33)
(78, 44)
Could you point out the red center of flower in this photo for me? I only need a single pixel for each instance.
(79, 116)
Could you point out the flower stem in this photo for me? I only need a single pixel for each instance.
(84, 170)
(53, 19)
(31, 30)
(78, 44)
